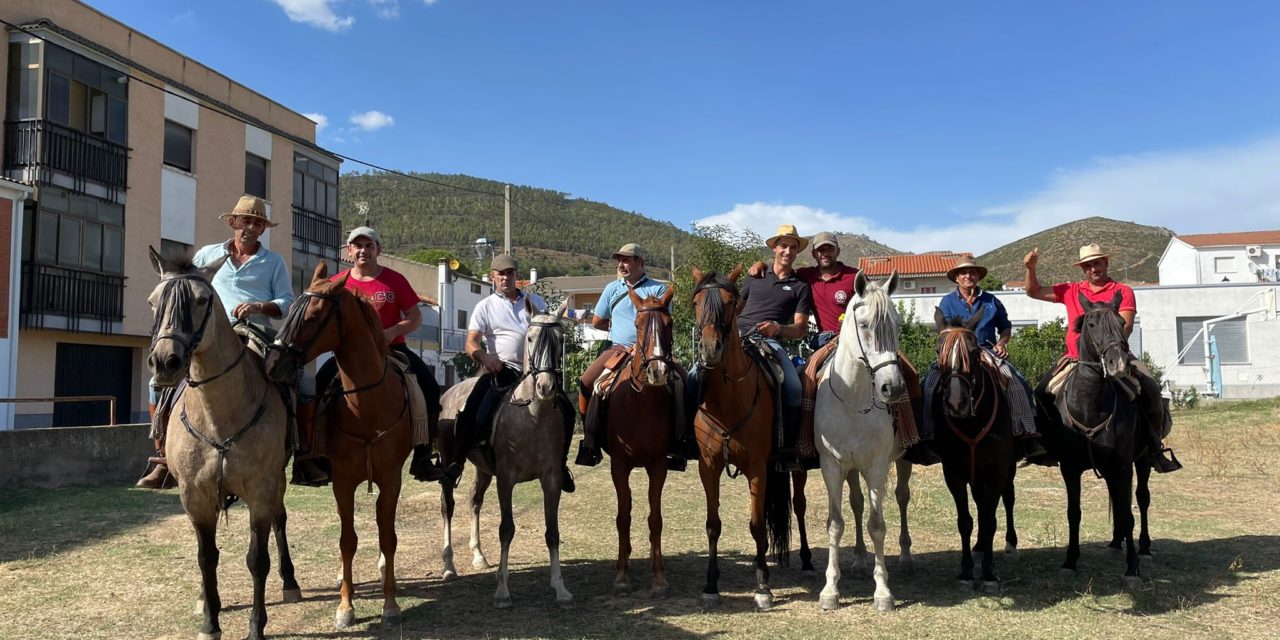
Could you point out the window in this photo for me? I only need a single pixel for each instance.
(177, 145)
(1231, 337)
(928, 289)
(475, 288)
(255, 176)
(79, 232)
(1224, 265)
(462, 319)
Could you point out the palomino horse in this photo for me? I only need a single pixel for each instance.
(734, 427)
(368, 433)
(975, 441)
(638, 431)
(1093, 425)
(527, 444)
(853, 426)
(226, 435)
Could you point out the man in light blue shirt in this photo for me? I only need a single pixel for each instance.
(254, 282)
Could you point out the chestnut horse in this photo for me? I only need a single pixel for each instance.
(734, 428)
(638, 431)
(368, 434)
(226, 435)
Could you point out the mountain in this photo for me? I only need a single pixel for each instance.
(852, 247)
(1135, 251)
(551, 231)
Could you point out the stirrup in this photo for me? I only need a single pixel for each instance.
(1161, 465)
(587, 456)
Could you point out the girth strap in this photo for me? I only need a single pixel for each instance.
(224, 445)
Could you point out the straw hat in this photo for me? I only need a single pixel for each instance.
(1090, 252)
(251, 207)
(787, 231)
(967, 264)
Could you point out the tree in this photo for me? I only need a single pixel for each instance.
(991, 283)
(434, 256)
(717, 248)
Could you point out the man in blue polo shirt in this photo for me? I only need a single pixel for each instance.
(616, 314)
(993, 332)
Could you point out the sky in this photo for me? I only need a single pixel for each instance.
(926, 125)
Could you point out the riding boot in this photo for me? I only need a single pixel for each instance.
(921, 454)
(588, 447)
(1033, 451)
(787, 457)
(309, 468)
(159, 477)
(424, 468)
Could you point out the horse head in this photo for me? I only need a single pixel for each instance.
(715, 305)
(183, 304)
(1102, 338)
(651, 359)
(870, 328)
(544, 351)
(959, 362)
(314, 325)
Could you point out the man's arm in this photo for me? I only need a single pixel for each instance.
(756, 270)
(1034, 290)
(1128, 315)
(478, 355)
(798, 328)
(411, 320)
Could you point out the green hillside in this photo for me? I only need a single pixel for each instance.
(1135, 251)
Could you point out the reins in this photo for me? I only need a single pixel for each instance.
(723, 325)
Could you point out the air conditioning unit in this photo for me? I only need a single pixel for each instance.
(1253, 250)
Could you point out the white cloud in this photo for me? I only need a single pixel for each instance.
(386, 9)
(317, 13)
(429, 2)
(320, 119)
(1190, 191)
(372, 120)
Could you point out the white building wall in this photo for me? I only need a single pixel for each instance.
(17, 194)
(1178, 264)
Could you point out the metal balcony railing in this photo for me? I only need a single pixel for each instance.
(45, 146)
(75, 295)
(316, 228)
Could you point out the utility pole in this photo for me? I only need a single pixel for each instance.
(506, 228)
(673, 263)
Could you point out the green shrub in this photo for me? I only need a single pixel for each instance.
(1035, 350)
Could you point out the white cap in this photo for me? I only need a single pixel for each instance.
(367, 232)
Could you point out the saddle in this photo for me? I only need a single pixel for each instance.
(765, 358)
(609, 377)
(1063, 377)
(169, 397)
(327, 404)
(904, 413)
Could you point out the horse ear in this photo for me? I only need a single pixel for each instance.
(210, 270)
(892, 284)
(733, 275)
(528, 306)
(697, 275)
(157, 262)
(342, 282)
(1115, 301)
(939, 320)
(636, 302)
(321, 272)
(1084, 302)
(666, 297)
(561, 309)
(975, 319)
(1078, 324)
(860, 284)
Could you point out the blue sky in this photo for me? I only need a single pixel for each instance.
(928, 125)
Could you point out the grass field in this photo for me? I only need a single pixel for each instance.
(116, 562)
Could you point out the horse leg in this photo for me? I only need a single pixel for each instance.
(622, 487)
(388, 497)
(506, 533)
(258, 560)
(207, 554)
(1144, 502)
(1008, 497)
(987, 499)
(447, 503)
(1071, 478)
(292, 592)
(1120, 486)
(710, 476)
(877, 482)
(551, 516)
(758, 486)
(799, 504)
(956, 479)
(829, 599)
(903, 493)
(860, 554)
(478, 561)
(344, 493)
(657, 479)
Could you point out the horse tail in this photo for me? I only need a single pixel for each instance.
(777, 514)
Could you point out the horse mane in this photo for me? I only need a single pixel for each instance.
(882, 310)
(712, 306)
(364, 305)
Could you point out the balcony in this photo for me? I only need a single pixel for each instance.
(315, 228)
(41, 146)
(59, 298)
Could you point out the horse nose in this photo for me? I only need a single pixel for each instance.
(172, 362)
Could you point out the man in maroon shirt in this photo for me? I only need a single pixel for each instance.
(1097, 286)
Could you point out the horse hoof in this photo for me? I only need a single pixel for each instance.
(621, 589)
(391, 618)
(502, 603)
(216, 635)
(1066, 574)
(829, 603)
(344, 618)
(480, 564)
(290, 596)
(907, 564)
(884, 604)
(991, 587)
(658, 593)
(566, 603)
(710, 600)
(1133, 583)
(1114, 546)
(964, 585)
(448, 574)
(1146, 559)
(764, 601)
(1011, 552)
(199, 610)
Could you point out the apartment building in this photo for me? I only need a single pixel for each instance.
(121, 143)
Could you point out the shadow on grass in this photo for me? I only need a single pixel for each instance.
(36, 523)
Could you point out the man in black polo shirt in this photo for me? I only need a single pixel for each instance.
(777, 306)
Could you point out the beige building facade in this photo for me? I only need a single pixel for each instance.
(127, 144)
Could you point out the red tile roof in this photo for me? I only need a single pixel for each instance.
(1229, 239)
(928, 264)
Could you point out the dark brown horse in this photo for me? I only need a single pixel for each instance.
(369, 435)
(638, 430)
(734, 428)
(975, 441)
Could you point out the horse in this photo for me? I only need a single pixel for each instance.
(1092, 425)
(527, 444)
(974, 440)
(226, 436)
(853, 425)
(736, 436)
(638, 431)
(368, 433)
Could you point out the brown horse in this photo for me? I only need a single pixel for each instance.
(226, 435)
(638, 430)
(369, 435)
(734, 428)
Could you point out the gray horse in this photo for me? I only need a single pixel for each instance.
(527, 444)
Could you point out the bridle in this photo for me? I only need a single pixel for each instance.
(715, 315)
(863, 359)
(171, 295)
(952, 338)
(1107, 314)
(649, 349)
(544, 357)
(293, 322)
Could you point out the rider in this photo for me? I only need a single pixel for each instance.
(253, 285)
(396, 303)
(495, 342)
(615, 304)
(1097, 286)
(993, 333)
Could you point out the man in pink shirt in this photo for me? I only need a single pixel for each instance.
(1098, 287)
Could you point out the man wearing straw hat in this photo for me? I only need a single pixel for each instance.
(993, 332)
(1097, 286)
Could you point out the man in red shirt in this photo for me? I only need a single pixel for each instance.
(1097, 286)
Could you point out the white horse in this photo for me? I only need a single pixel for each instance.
(853, 425)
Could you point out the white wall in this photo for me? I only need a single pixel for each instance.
(1178, 264)
(9, 346)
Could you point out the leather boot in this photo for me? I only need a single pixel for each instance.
(424, 468)
(1033, 451)
(787, 458)
(1164, 464)
(921, 454)
(159, 476)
